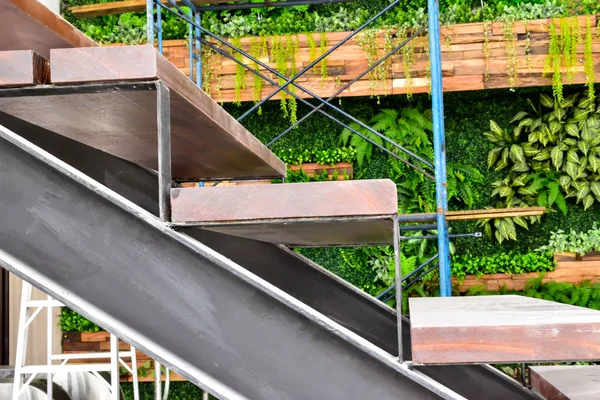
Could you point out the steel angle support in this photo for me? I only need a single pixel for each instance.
(108, 259)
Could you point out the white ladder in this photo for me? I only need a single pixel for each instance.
(31, 309)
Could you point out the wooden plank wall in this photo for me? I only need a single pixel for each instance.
(463, 62)
(568, 269)
(96, 342)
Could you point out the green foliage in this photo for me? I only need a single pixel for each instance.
(502, 263)
(588, 63)
(552, 154)
(177, 391)
(574, 242)
(70, 321)
(321, 18)
(585, 294)
(408, 128)
(296, 156)
(411, 129)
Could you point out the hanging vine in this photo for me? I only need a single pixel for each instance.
(408, 60)
(570, 34)
(389, 42)
(240, 72)
(278, 54)
(588, 63)
(324, 44)
(312, 51)
(291, 49)
(486, 49)
(208, 68)
(258, 49)
(528, 49)
(369, 44)
(553, 63)
(425, 50)
(511, 51)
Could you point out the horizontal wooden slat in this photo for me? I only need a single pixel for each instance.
(467, 215)
(119, 7)
(501, 329)
(463, 62)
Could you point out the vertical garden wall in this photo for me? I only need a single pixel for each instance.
(522, 116)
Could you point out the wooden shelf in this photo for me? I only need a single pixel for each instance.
(472, 215)
(119, 7)
(463, 62)
(568, 269)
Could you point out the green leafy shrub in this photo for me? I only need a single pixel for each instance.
(502, 263)
(70, 321)
(555, 147)
(297, 156)
(574, 242)
(552, 154)
(585, 294)
(177, 391)
(329, 18)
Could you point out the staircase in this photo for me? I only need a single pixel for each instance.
(197, 278)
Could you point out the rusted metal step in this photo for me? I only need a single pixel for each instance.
(106, 97)
(299, 214)
(566, 382)
(29, 25)
(505, 328)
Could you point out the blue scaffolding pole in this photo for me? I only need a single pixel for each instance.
(197, 38)
(439, 147)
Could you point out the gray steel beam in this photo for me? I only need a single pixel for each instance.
(177, 300)
(306, 281)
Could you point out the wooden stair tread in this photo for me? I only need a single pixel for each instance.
(120, 117)
(561, 382)
(300, 214)
(23, 68)
(29, 25)
(505, 328)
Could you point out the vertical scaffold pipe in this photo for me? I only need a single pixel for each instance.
(198, 20)
(192, 44)
(439, 146)
(150, 22)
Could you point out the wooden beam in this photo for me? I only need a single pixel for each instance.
(566, 382)
(23, 68)
(501, 329)
(119, 7)
(29, 25)
(207, 143)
